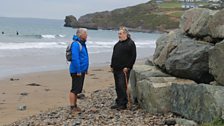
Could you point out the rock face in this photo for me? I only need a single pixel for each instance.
(152, 88)
(195, 52)
(202, 103)
(183, 57)
(216, 56)
(216, 25)
(71, 21)
(195, 22)
(158, 92)
(141, 18)
(203, 22)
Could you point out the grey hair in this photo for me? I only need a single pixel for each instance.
(80, 31)
(125, 30)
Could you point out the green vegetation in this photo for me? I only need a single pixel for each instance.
(172, 4)
(143, 16)
(177, 14)
(216, 122)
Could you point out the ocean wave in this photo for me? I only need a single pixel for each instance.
(90, 44)
(30, 45)
(45, 36)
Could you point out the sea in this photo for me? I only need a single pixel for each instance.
(30, 45)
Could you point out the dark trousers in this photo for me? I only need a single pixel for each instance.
(121, 87)
(77, 83)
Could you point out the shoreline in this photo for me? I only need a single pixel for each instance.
(41, 91)
(95, 65)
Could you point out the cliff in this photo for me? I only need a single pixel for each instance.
(144, 17)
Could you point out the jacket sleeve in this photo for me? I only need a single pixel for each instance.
(111, 63)
(75, 57)
(133, 55)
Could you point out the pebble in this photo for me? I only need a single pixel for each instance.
(21, 107)
(96, 111)
(24, 94)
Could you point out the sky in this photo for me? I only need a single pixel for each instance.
(58, 9)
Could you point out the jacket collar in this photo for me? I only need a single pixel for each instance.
(76, 38)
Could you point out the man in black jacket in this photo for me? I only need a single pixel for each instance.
(123, 59)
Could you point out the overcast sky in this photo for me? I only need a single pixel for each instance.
(58, 9)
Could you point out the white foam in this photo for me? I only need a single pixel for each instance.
(90, 44)
(30, 45)
(48, 36)
(61, 36)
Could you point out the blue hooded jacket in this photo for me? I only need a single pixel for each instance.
(80, 59)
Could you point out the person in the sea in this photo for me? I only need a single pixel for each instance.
(3, 33)
(78, 67)
(17, 33)
(122, 61)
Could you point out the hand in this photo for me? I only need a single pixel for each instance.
(111, 69)
(79, 74)
(125, 70)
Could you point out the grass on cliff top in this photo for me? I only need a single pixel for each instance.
(171, 4)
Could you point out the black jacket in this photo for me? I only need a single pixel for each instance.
(124, 54)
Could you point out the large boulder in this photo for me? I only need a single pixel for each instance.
(145, 70)
(216, 61)
(71, 21)
(201, 103)
(194, 21)
(158, 92)
(152, 88)
(164, 46)
(183, 57)
(216, 25)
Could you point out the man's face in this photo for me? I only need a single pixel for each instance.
(83, 37)
(122, 35)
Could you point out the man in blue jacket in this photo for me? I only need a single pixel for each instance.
(79, 66)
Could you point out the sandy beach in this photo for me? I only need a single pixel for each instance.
(44, 90)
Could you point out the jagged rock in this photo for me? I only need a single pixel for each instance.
(216, 56)
(183, 57)
(185, 122)
(153, 88)
(216, 25)
(71, 21)
(145, 71)
(164, 46)
(149, 62)
(200, 26)
(201, 103)
(195, 22)
(192, 17)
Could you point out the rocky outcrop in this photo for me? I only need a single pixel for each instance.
(216, 25)
(183, 57)
(71, 21)
(216, 61)
(158, 92)
(195, 22)
(152, 87)
(203, 24)
(202, 103)
(184, 53)
(140, 18)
